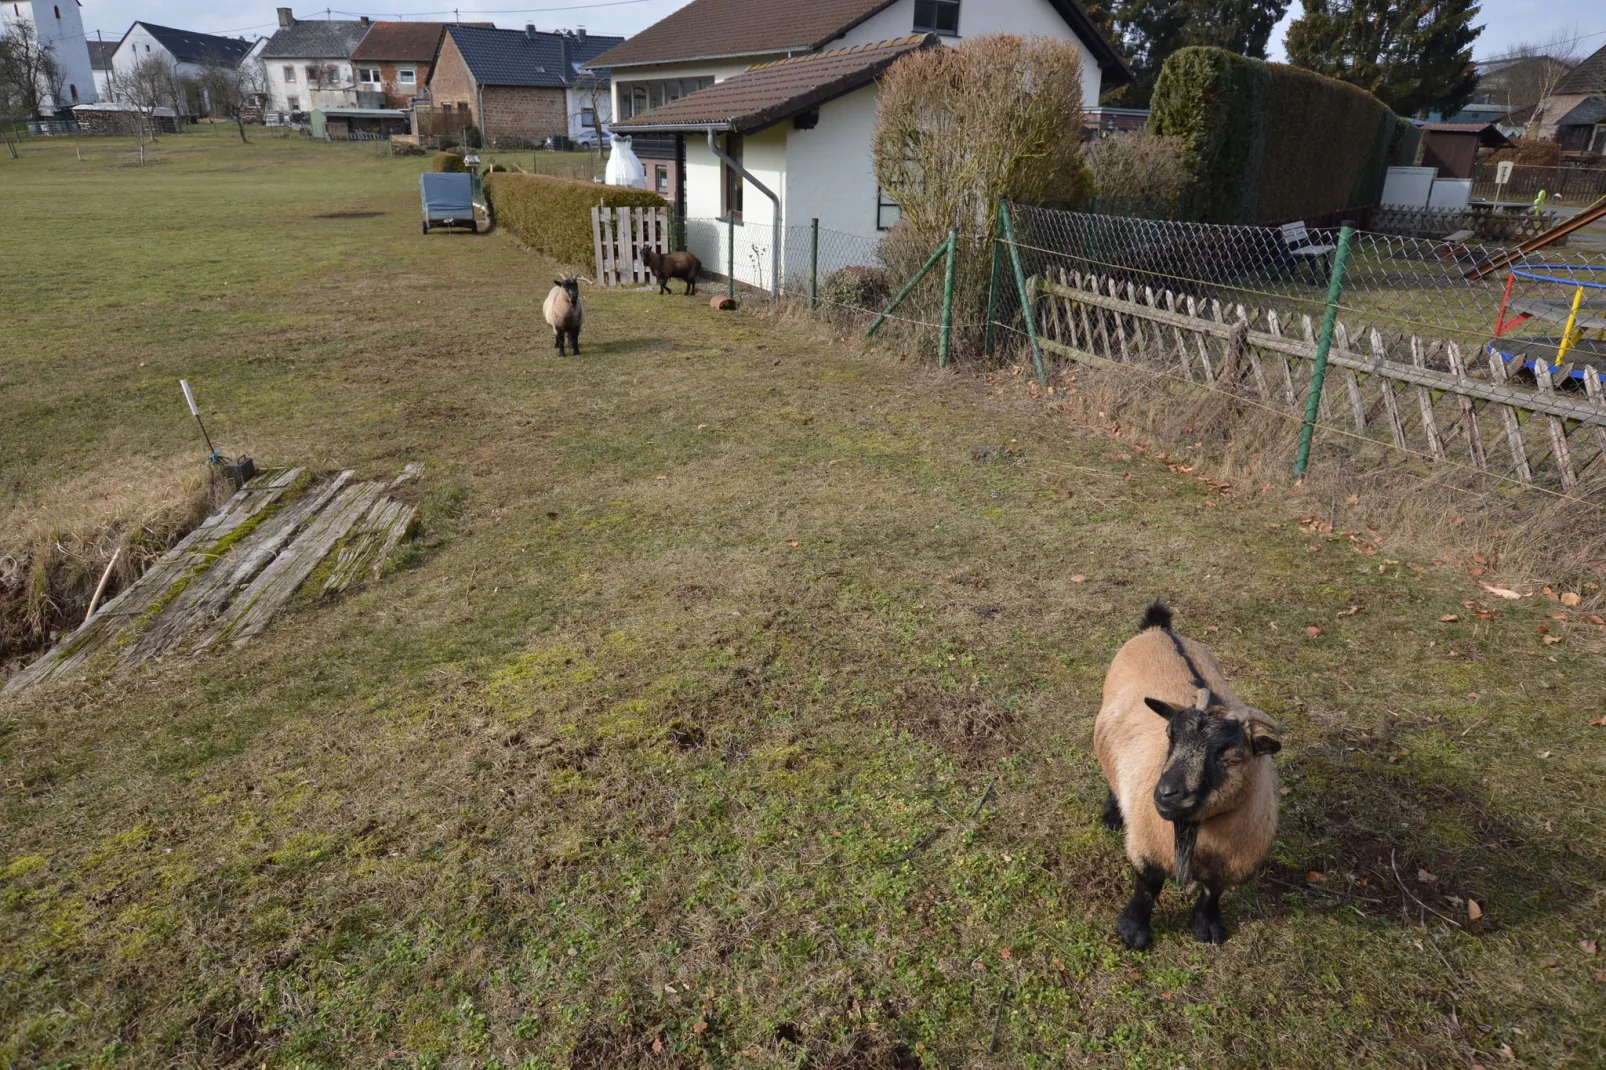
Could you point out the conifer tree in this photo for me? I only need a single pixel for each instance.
(1414, 57)
(1148, 31)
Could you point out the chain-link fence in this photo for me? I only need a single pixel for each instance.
(1463, 354)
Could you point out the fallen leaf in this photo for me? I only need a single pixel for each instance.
(660, 477)
(1352, 500)
(1313, 630)
(1425, 877)
(1286, 790)
(1500, 592)
(1550, 594)
(658, 1044)
(1507, 1054)
(1597, 620)
(671, 989)
(1314, 877)
(1449, 618)
(1571, 598)
(1552, 640)
(1078, 578)
(702, 427)
(1474, 911)
(1588, 947)
(793, 543)
(1549, 964)
(1598, 722)
(1351, 611)
(699, 1027)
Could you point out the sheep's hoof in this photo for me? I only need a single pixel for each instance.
(1134, 934)
(1209, 930)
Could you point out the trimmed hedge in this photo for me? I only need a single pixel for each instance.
(553, 215)
(1268, 142)
(449, 162)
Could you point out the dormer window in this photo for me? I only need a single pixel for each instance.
(937, 16)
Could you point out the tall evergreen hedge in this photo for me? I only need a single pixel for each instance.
(553, 215)
(1269, 143)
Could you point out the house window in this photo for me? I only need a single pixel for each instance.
(289, 74)
(74, 89)
(368, 74)
(588, 118)
(661, 180)
(638, 98)
(407, 76)
(730, 201)
(1600, 139)
(937, 16)
(887, 211)
(293, 103)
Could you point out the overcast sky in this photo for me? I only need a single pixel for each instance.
(1506, 22)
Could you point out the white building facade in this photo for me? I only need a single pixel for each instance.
(308, 65)
(819, 163)
(59, 26)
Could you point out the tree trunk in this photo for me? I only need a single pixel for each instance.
(240, 123)
(11, 146)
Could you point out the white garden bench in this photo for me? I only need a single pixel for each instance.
(1305, 251)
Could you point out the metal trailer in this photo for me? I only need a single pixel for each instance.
(448, 200)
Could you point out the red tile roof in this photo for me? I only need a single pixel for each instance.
(764, 95)
(407, 41)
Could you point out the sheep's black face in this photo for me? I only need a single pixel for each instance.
(1204, 750)
(571, 286)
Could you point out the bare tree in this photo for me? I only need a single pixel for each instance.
(29, 73)
(232, 89)
(1529, 72)
(596, 96)
(151, 84)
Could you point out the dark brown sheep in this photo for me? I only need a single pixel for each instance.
(668, 266)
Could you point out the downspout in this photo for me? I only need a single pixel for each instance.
(775, 233)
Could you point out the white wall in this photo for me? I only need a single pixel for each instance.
(279, 91)
(1029, 18)
(579, 100)
(764, 155)
(58, 26)
(830, 170)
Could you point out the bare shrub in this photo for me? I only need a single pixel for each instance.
(960, 128)
(856, 289)
(1139, 174)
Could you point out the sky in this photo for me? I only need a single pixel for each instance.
(1506, 22)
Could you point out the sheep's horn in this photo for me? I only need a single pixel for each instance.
(582, 278)
(1201, 700)
(1255, 715)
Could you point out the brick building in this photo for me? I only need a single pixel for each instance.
(394, 60)
(517, 86)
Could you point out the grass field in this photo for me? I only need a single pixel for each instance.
(639, 760)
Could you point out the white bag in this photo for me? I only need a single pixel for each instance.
(623, 167)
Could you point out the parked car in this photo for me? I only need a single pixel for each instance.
(587, 139)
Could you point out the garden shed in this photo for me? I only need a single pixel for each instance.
(1453, 147)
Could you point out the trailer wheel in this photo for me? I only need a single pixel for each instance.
(426, 226)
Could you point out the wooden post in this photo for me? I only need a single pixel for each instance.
(1501, 375)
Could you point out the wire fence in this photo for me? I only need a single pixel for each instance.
(1480, 357)
(808, 262)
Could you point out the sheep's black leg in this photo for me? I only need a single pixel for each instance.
(1206, 923)
(1112, 813)
(691, 287)
(574, 341)
(559, 335)
(1133, 924)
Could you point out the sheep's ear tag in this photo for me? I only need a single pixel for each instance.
(1163, 708)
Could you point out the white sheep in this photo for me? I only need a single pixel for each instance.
(564, 312)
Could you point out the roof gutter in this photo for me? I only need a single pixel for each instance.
(775, 231)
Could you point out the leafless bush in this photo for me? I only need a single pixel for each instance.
(1138, 174)
(960, 128)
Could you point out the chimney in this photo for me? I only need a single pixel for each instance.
(581, 33)
(567, 52)
(365, 20)
(286, 19)
(529, 30)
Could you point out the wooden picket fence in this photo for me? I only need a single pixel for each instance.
(621, 237)
(1421, 397)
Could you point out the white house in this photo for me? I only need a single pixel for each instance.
(788, 90)
(188, 52)
(308, 64)
(58, 26)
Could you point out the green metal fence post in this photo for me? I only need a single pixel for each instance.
(992, 292)
(1324, 343)
(1025, 297)
(948, 298)
(936, 254)
(814, 263)
(730, 255)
